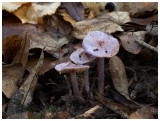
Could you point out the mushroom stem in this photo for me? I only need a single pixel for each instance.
(86, 80)
(74, 84)
(101, 75)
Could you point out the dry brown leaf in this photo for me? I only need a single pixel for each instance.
(10, 46)
(143, 113)
(75, 9)
(118, 75)
(66, 16)
(128, 41)
(109, 22)
(12, 6)
(50, 43)
(12, 73)
(32, 12)
(24, 115)
(22, 54)
(117, 108)
(23, 97)
(139, 7)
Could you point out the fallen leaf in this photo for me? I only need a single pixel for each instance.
(143, 113)
(109, 22)
(50, 43)
(12, 73)
(118, 75)
(22, 54)
(128, 41)
(12, 6)
(145, 21)
(75, 9)
(22, 98)
(10, 46)
(66, 16)
(122, 100)
(32, 12)
(117, 108)
(24, 115)
(139, 7)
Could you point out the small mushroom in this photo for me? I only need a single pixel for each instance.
(71, 68)
(81, 57)
(101, 45)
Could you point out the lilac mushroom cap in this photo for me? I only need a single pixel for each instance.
(71, 68)
(100, 44)
(81, 57)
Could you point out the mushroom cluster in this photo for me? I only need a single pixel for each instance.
(96, 44)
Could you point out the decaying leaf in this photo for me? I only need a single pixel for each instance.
(12, 73)
(32, 12)
(12, 6)
(50, 43)
(143, 113)
(22, 54)
(24, 115)
(118, 75)
(23, 97)
(109, 22)
(118, 108)
(66, 16)
(139, 7)
(10, 46)
(75, 9)
(128, 41)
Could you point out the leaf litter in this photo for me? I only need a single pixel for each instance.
(38, 91)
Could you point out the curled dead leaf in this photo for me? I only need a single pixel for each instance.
(12, 73)
(109, 22)
(128, 41)
(10, 46)
(118, 75)
(22, 98)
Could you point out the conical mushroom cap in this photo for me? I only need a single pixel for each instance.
(70, 67)
(100, 44)
(81, 57)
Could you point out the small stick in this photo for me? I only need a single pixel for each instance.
(146, 45)
(68, 85)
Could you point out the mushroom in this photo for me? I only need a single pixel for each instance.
(101, 45)
(81, 57)
(71, 68)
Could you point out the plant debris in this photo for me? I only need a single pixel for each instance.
(38, 38)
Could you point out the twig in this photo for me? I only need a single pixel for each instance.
(68, 85)
(146, 45)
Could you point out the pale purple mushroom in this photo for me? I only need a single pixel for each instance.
(81, 57)
(71, 68)
(101, 45)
